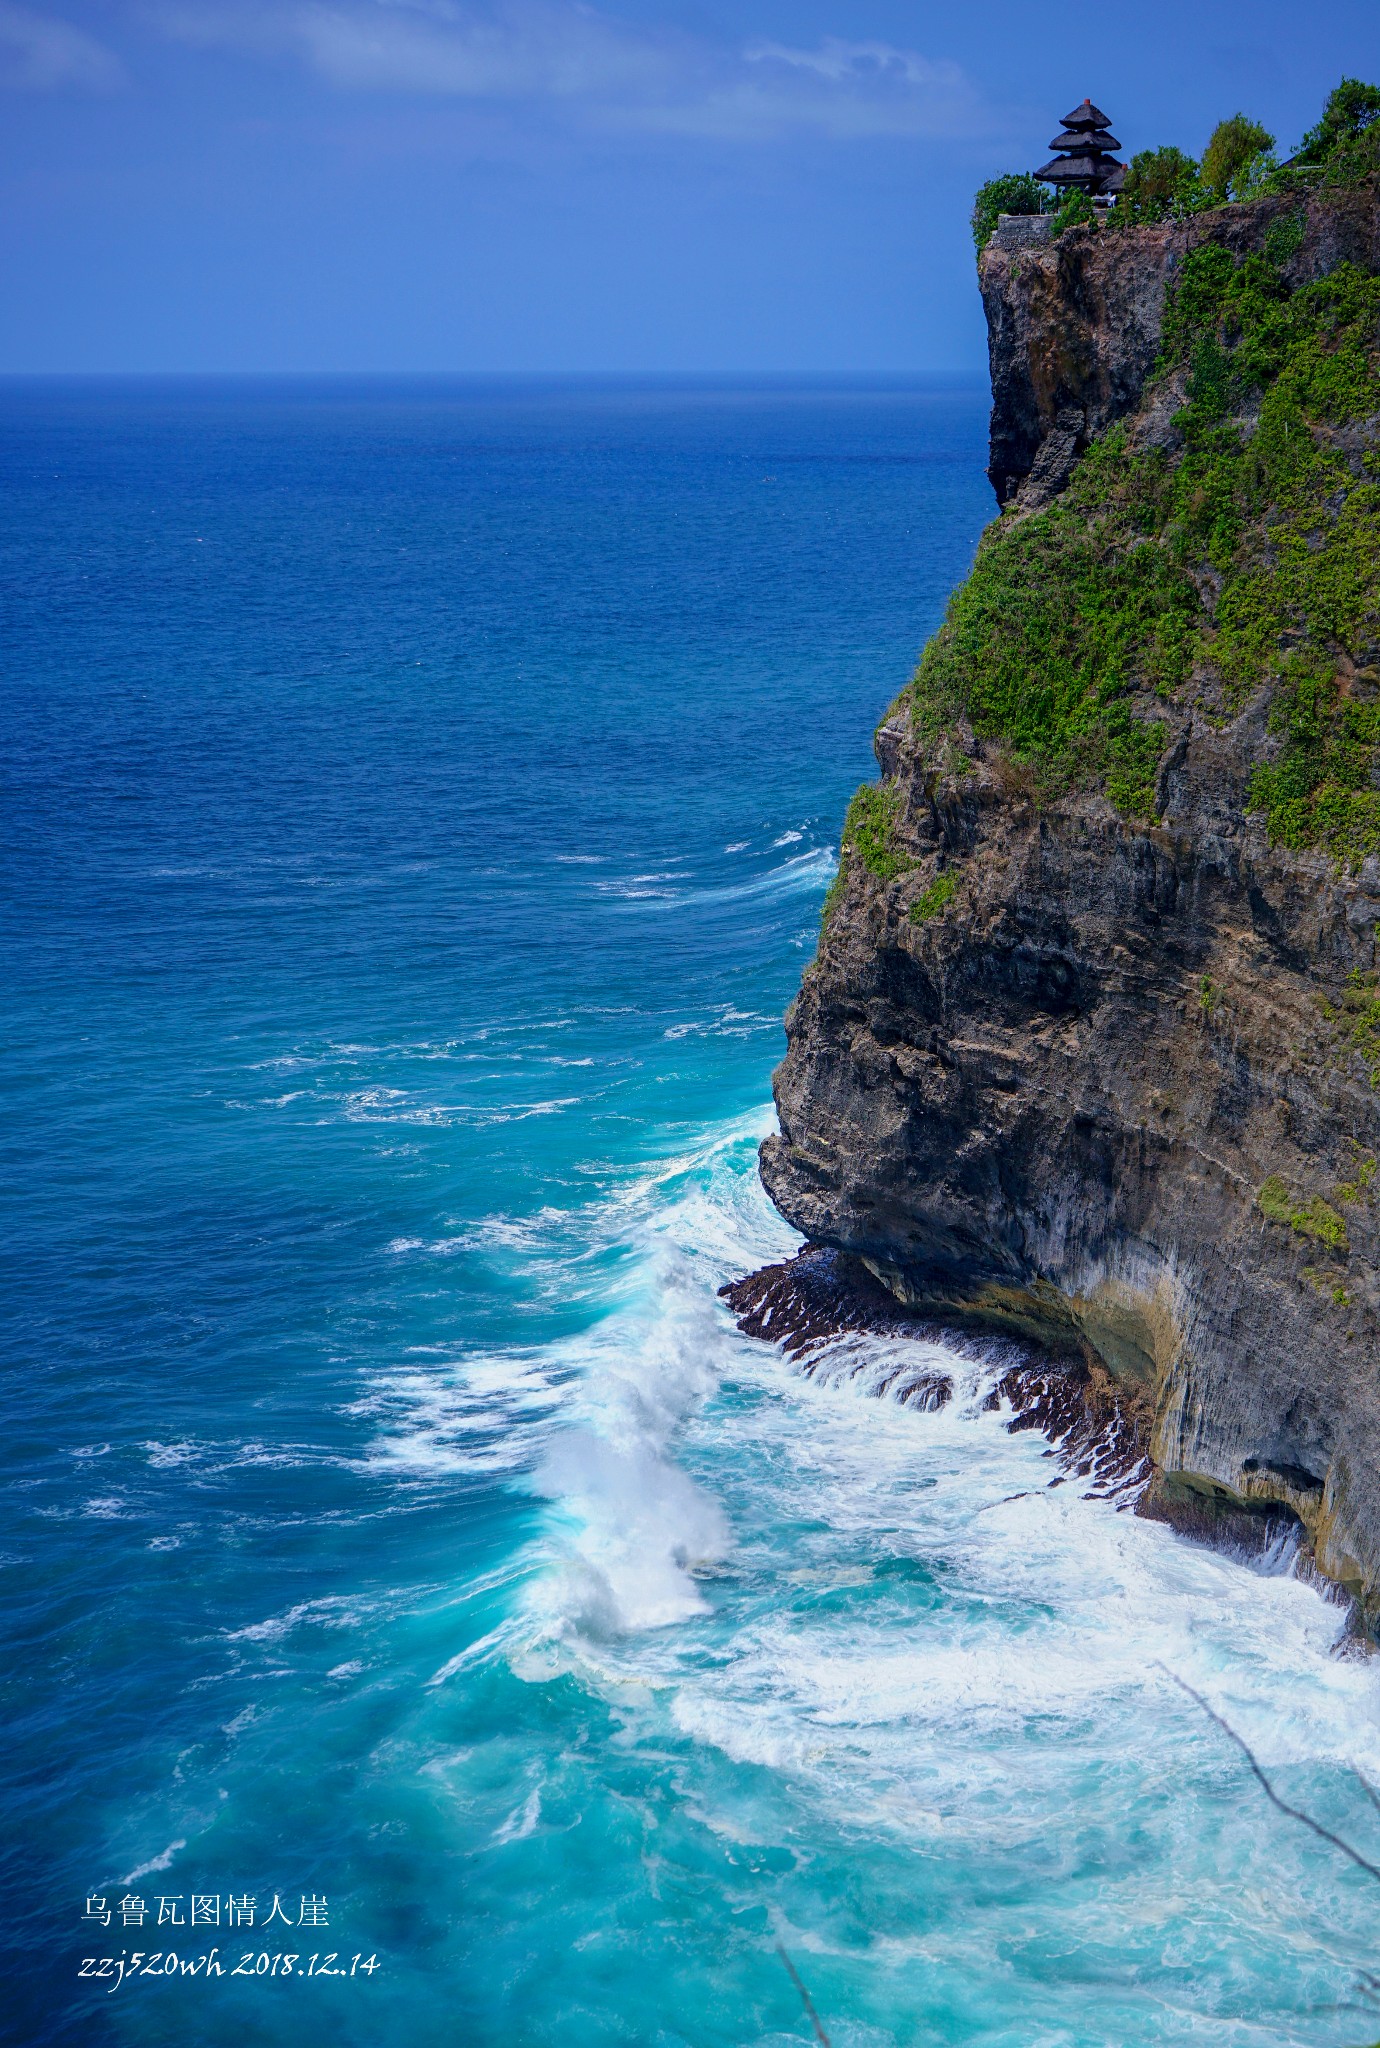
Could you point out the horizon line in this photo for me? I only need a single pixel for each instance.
(742, 376)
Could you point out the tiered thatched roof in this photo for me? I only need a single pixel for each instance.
(1085, 160)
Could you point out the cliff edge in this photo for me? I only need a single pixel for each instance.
(1091, 1047)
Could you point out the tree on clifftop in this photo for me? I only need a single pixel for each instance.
(1351, 110)
(1235, 147)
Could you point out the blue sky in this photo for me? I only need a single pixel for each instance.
(543, 185)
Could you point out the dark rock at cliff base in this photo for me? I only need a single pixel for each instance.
(818, 1295)
(1087, 1079)
(805, 1305)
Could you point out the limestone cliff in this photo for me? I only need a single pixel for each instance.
(1073, 327)
(1089, 1052)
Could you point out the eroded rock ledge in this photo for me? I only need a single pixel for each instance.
(1098, 1428)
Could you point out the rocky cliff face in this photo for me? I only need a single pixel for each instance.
(1073, 327)
(1106, 1077)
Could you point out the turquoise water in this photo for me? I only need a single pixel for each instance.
(419, 801)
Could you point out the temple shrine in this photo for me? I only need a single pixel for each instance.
(1084, 160)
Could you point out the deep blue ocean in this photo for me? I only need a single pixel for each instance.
(418, 803)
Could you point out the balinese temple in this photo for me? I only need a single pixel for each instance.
(1084, 160)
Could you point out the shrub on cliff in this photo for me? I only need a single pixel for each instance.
(1017, 192)
(1075, 210)
(869, 836)
(1287, 515)
(1060, 618)
(1350, 122)
(1341, 148)
(1160, 184)
(1237, 159)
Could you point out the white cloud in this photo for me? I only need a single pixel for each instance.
(527, 52)
(839, 89)
(40, 53)
(861, 63)
(607, 73)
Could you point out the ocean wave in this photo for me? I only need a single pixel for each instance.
(902, 1611)
(383, 1105)
(729, 1023)
(896, 1609)
(163, 1861)
(804, 873)
(331, 1610)
(479, 1414)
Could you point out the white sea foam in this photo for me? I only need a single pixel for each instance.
(909, 1621)
(633, 1531)
(1057, 1613)
(804, 873)
(162, 1861)
(393, 1106)
(640, 1528)
(163, 1456)
(521, 1822)
(940, 1599)
(482, 1651)
(727, 1023)
(333, 1610)
(948, 1638)
(479, 1413)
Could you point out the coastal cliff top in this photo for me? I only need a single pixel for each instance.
(1197, 529)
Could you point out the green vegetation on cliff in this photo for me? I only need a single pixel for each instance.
(1311, 1218)
(1017, 192)
(1239, 548)
(869, 829)
(869, 836)
(1235, 150)
(1239, 162)
(935, 900)
(1345, 144)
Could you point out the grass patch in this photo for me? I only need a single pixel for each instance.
(1358, 1188)
(1357, 1014)
(1312, 1218)
(935, 900)
(1325, 1283)
(869, 832)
